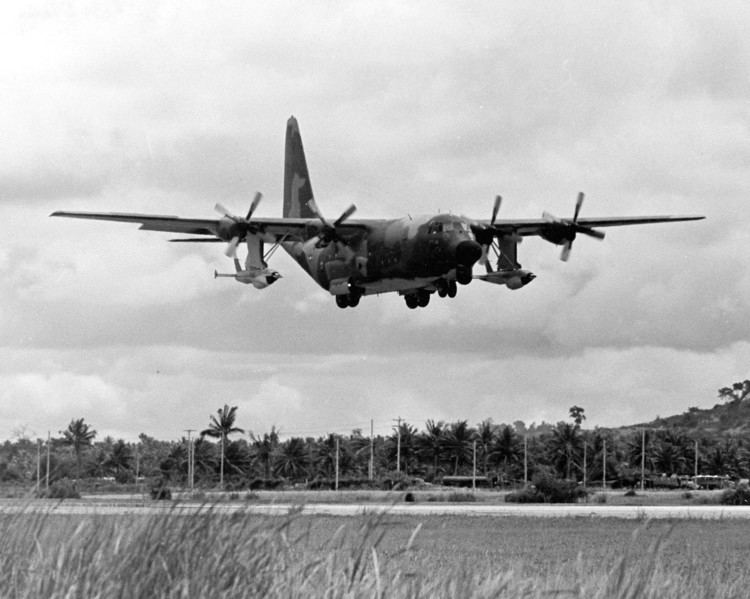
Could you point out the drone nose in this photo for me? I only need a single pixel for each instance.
(468, 252)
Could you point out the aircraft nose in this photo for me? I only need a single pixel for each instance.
(468, 252)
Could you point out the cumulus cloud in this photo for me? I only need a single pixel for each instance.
(168, 108)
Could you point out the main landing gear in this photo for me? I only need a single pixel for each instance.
(348, 300)
(418, 299)
(446, 288)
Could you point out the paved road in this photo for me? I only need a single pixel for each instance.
(707, 512)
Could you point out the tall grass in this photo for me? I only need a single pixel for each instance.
(210, 554)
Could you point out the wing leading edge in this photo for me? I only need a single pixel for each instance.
(538, 226)
(292, 229)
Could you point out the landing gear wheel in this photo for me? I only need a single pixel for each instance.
(412, 301)
(452, 289)
(342, 301)
(442, 287)
(463, 275)
(354, 299)
(423, 298)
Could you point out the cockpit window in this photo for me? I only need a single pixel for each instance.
(435, 228)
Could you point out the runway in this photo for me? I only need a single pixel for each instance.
(660, 512)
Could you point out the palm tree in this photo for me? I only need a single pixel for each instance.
(458, 443)
(291, 459)
(507, 449)
(263, 449)
(79, 435)
(119, 459)
(486, 435)
(221, 428)
(564, 444)
(431, 442)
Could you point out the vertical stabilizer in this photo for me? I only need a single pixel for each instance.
(297, 187)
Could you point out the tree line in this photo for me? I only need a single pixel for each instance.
(509, 454)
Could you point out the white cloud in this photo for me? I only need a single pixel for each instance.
(170, 107)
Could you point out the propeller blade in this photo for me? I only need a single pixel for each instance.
(313, 206)
(346, 214)
(223, 211)
(579, 203)
(590, 232)
(565, 254)
(231, 250)
(254, 204)
(495, 209)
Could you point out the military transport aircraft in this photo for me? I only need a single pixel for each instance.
(350, 258)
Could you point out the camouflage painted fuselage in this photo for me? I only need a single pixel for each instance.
(389, 255)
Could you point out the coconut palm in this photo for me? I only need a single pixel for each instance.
(486, 435)
(221, 427)
(292, 459)
(263, 448)
(458, 443)
(564, 445)
(507, 450)
(119, 459)
(79, 435)
(431, 441)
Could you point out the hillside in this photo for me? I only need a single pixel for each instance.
(724, 419)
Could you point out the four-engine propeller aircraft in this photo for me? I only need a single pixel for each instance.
(350, 258)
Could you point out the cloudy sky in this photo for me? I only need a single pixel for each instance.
(404, 108)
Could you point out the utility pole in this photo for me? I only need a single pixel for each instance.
(604, 464)
(398, 444)
(474, 469)
(696, 457)
(38, 465)
(585, 445)
(337, 463)
(191, 460)
(526, 460)
(46, 476)
(643, 459)
(372, 452)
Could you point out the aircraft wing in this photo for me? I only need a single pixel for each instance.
(290, 229)
(152, 222)
(539, 226)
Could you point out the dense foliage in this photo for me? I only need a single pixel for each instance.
(506, 454)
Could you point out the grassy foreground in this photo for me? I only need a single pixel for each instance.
(242, 555)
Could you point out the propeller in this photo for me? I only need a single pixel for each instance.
(329, 232)
(570, 228)
(486, 245)
(239, 226)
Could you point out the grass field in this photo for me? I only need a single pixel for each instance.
(210, 555)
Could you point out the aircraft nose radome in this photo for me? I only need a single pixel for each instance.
(468, 252)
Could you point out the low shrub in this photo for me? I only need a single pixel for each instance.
(630, 493)
(545, 488)
(527, 495)
(159, 490)
(600, 498)
(62, 489)
(738, 496)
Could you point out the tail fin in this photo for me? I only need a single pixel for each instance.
(297, 187)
